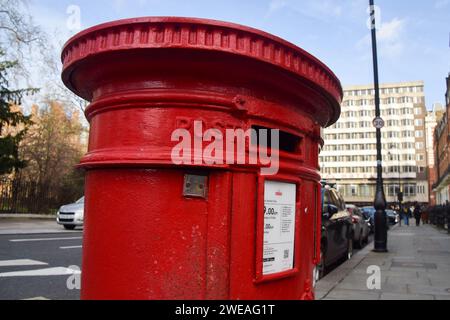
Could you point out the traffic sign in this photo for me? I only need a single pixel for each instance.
(378, 122)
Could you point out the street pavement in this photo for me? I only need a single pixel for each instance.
(30, 226)
(36, 264)
(40, 260)
(36, 256)
(416, 267)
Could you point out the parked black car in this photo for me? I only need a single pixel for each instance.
(337, 230)
(392, 216)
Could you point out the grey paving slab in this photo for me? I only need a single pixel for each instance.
(429, 289)
(362, 286)
(443, 268)
(400, 296)
(408, 280)
(440, 282)
(320, 294)
(343, 294)
(382, 266)
(413, 265)
(401, 273)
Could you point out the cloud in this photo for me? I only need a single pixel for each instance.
(275, 5)
(120, 5)
(391, 31)
(319, 10)
(389, 37)
(441, 4)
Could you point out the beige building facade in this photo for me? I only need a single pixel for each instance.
(348, 157)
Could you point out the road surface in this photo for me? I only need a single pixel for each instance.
(39, 265)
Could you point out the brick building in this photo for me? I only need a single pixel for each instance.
(441, 187)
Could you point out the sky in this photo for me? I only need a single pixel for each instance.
(413, 36)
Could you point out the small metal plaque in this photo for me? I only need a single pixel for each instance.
(195, 185)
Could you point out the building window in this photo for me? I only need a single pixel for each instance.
(391, 169)
(406, 134)
(393, 190)
(391, 112)
(364, 190)
(409, 190)
(407, 122)
(351, 190)
(421, 189)
(409, 169)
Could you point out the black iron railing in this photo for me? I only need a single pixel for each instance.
(18, 195)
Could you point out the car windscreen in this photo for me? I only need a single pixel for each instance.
(369, 210)
(325, 200)
(81, 200)
(336, 200)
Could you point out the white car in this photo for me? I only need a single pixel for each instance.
(71, 215)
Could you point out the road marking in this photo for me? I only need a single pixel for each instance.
(71, 247)
(44, 239)
(56, 271)
(37, 298)
(20, 262)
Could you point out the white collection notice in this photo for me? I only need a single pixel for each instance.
(279, 226)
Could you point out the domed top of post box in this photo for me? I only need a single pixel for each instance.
(176, 33)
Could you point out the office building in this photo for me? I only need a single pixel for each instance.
(348, 158)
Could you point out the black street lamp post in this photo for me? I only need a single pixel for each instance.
(399, 193)
(380, 242)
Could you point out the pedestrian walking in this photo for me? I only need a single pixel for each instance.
(417, 214)
(425, 214)
(406, 213)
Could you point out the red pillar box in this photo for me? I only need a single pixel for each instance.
(202, 171)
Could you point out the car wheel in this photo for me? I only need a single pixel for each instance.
(69, 227)
(350, 248)
(321, 265)
(360, 242)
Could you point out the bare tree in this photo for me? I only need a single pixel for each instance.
(54, 87)
(20, 37)
(35, 52)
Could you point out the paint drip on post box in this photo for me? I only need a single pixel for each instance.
(203, 159)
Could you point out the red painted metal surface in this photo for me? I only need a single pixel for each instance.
(146, 77)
